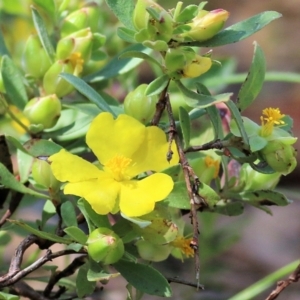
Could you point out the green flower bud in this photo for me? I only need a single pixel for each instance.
(53, 83)
(77, 42)
(42, 174)
(197, 67)
(140, 106)
(206, 24)
(140, 15)
(279, 156)
(43, 110)
(151, 252)
(105, 246)
(33, 53)
(80, 19)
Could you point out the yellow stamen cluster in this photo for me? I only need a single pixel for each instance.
(210, 162)
(271, 116)
(117, 167)
(184, 245)
(77, 61)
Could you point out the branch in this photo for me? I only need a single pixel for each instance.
(217, 144)
(23, 289)
(192, 184)
(184, 282)
(68, 271)
(283, 284)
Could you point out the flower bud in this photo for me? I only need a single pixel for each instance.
(43, 110)
(42, 174)
(77, 42)
(33, 53)
(151, 252)
(105, 246)
(140, 15)
(206, 24)
(279, 156)
(140, 106)
(53, 83)
(80, 19)
(197, 67)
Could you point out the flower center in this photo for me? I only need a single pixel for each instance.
(184, 245)
(271, 116)
(117, 167)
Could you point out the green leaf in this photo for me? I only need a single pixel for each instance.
(68, 214)
(24, 165)
(238, 119)
(49, 211)
(188, 13)
(118, 66)
(13, 83)
(82, 87)
(84, 287)
(96, 273)
(39, 147)
(126, 34)
(258, 287)
(42, 33)
(93, 219)
(42, 234)
(254, 81)
(3, 48)
(123, 9)
(76, 234)
(215, 118)
(200, 100)
(144, 278)
(140, 55)
(179, 197)
(8, 180)
(185, 126)
(157, 85)
(227, 208)
(240, 31)
(5, 296)
(47, 5)
(173, 171)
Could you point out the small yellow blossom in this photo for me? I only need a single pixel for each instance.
(183, 245)
(212, 163)
(77, 62)
(271, 116)
(125, 148)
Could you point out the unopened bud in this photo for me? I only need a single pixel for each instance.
(105, 246)
(43, 110)
(197, 67)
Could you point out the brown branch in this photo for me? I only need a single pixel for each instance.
(192, 184)
(69, 270)
(283, 284)
(184, 282)
(160, 106)
(16, 275)
(217, 144)
(21, 288)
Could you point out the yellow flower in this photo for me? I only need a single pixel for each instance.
(184, 245)
(271, 116)
(212, 163)
(125, 148)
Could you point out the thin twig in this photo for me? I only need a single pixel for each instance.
(283, 284)
(21, 288)
(184, 282)
(160, 106)
(217, 144)
(192, 184)
(69, 270)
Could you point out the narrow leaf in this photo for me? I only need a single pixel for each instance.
(8, 180)
(84, 287)
(118, 66)
(157, 85)
(144, 278)
(126, 34)
(42, 33)
(13, 83)
(254, 81)
(3, 48)
(76, 234)
(185, 126)
(68, 214)
(87, 91)
(140, 55)
(240, 31)
(42, 234)
(200, 100)
(123, 9)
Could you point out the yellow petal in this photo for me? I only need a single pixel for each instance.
(69, 167)
(153, 154)
(138, 198)
(101, 193)
(108, 137)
